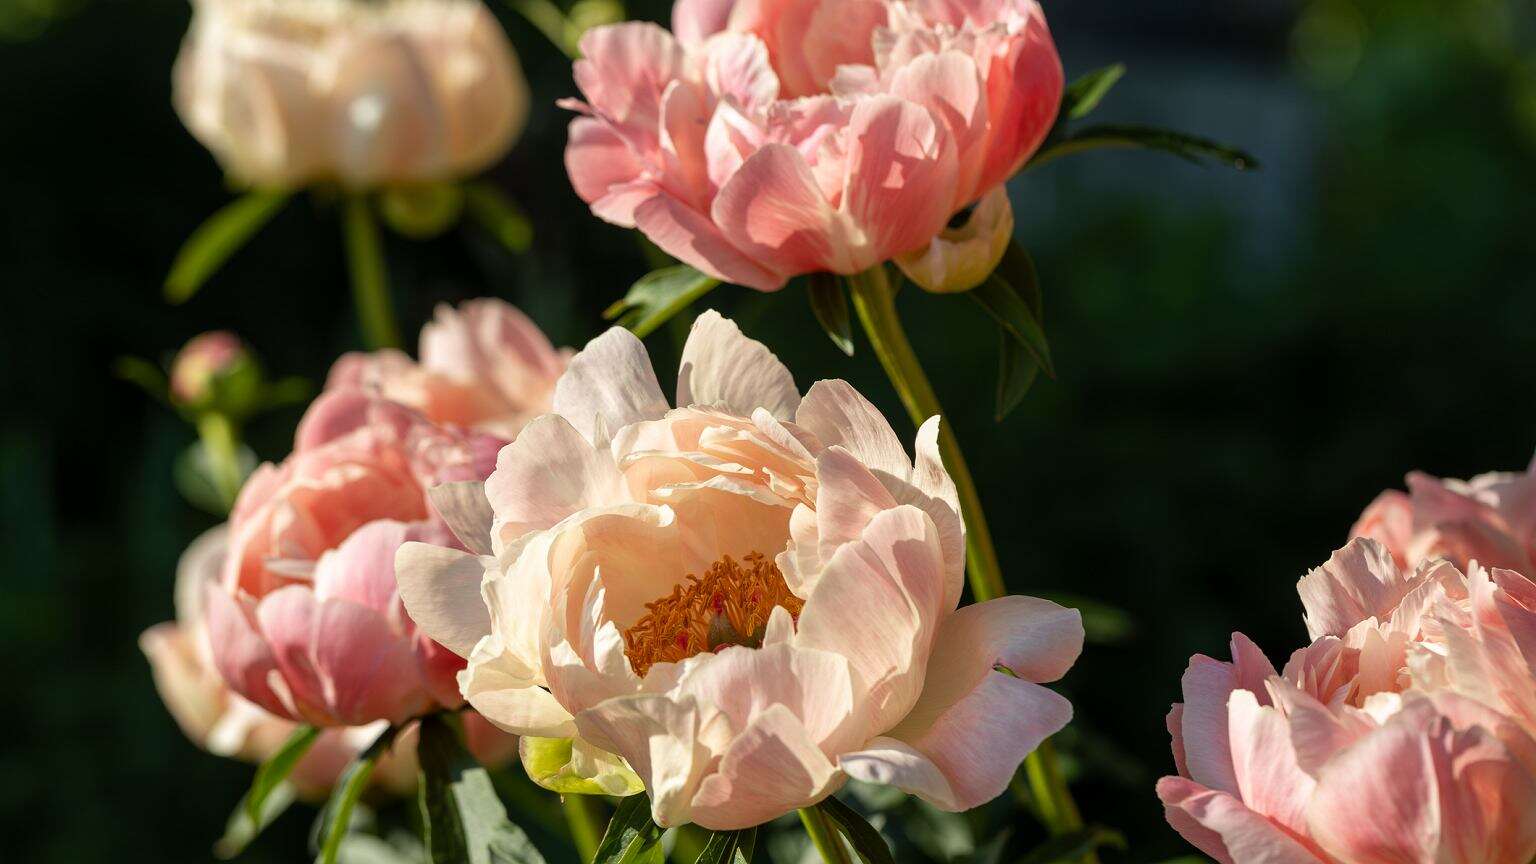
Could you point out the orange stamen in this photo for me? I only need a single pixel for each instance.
(728, 605)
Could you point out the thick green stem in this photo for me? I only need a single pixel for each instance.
(370, 282)
(221, 442)
(824, 836)
(874, 300)
(585, 823)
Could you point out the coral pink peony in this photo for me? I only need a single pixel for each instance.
(1352, 754)
(305, 621)
(771, 138)
(1490, 519)
(483, 366)
(223, 723)
(749, 597)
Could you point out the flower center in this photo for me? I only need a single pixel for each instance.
(728, 605)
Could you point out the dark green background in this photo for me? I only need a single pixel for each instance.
(1245, 359)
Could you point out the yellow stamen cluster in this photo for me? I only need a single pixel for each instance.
(728, 605)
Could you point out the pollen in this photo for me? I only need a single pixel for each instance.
(728, 605)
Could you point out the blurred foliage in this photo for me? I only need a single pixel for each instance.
(1243, 362)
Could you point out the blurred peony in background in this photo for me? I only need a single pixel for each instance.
(1244, 360)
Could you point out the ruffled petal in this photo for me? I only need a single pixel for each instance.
(440, 588)
(610, 379)
(722, 368)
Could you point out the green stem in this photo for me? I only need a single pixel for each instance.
(221, 442)
(585, 824)
(874, 301)
(824, 836)
(370, 282)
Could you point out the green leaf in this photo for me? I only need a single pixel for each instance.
(1189, 147)
(1072, 846)
(271, 773)
(866, 841)
(1011, 295)
(1009, 306)
(145, 375)
(657, 296)
(239, 830)
(830, 306)
(729, 847)
(336, 816)
(498, 214)
(992, 851)
(631, 838)
(463, 819)
(1084, 94)
(1016, 374)
(218, 238)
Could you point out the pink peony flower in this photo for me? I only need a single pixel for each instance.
(305, 621)
(484, 366)
(223, 723)
(1490, 519)
(1351, 754)
(201, 362)
(749, 598)
(771, 138)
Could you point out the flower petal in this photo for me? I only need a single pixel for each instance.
(611, 378)
(772, 768)
(723, 368)
(772, 209)
(839, 415)
(440, 588)
(1220, 826)
(546, 475)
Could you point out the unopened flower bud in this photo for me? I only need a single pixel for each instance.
(215, 372)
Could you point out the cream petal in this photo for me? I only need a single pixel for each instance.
(549, 473)
(441, 591)
(839, 415)
(847, 498)
(1219, 825)
(502, 690)
(1357, 582)
(818, 687)
(663, 739)
(724, 369)
(611, 378)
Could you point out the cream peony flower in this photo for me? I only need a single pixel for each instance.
(289, 92)
(749, 598)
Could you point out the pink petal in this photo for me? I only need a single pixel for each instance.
(773, 211)
(1220, 826)
(771, 768)
(723, 368)
(838, 415)
(1357, 582)
(598, 160)
(1268, 778)
(900, 187)
(949, 84)
(693, 21)
(690, 236)
(660, 738)
(241, 653)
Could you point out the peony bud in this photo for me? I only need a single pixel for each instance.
(292, 92)
(963, 255)
(215, 372)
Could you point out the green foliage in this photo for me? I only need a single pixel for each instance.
(270, 777)
(1011, 296)
(336, 817)
(422, 211)
(631, 838)
(1191, 148)
(729, 847)
(1073, 846)
(240, 829)
(1084, 94)
(866, 841)
(657, 296)
(220, 236)
(499, 215)
(830, 306)
(463, 819)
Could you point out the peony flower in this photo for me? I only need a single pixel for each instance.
(771, 138)
(1350, 755)
(305, 621)
(749, 598)
(204, 363)
(1490, 518)
(221, 722)
(291, 92)
(484, 366)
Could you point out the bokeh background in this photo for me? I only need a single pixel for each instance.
(1245, 359)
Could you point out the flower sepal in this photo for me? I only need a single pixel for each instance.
(571, 766)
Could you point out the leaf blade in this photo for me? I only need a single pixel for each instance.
(336, 816)
(1011, 311)
(830, 306)
(219, 237)
(632, 837)
(866, 841)
(1074, 845)
(657, 296)
(1191, 148)
(499, 216)
(1084, 94)
(277, 768)
(464, 821)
